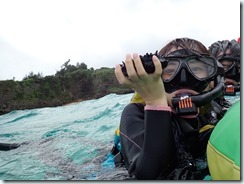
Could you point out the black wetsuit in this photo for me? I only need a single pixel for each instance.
(162, 145)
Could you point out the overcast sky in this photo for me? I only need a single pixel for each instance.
(40, 35)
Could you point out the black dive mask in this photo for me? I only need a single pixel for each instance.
(191, 72)
(231, 67)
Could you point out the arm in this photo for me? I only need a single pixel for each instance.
(147, 143)
(147, 140)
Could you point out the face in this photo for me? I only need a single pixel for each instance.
(196, 67)
(229, 64)
(226, 64)
(187, 74)
(232, 68)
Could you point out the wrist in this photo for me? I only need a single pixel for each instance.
(158, 108)
(158, 102)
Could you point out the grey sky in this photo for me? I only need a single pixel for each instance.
(41, 35)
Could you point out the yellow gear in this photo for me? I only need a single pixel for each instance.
(136, 98)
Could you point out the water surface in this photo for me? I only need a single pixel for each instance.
(66, 142)
(63, 143)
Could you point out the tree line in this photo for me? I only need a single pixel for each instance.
(70, 84)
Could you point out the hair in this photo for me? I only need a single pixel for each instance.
(226, 48)
(190, 45)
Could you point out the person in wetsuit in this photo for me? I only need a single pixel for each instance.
(165, 136)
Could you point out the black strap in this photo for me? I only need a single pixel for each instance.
(217, 108)
(118, 158)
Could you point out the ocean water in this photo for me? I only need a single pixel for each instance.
(63, 143)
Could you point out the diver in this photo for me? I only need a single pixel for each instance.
(164, 131)
(228, 54)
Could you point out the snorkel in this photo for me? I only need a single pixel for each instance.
(187, 104)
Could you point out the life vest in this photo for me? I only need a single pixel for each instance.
(223, 149)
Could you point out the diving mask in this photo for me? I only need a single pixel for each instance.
(231, 67)
(193, 72)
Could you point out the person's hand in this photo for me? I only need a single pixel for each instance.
(149, 86)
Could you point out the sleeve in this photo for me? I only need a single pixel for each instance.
(147, 141)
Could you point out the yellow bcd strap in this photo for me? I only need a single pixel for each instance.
(206, 127)
(136, 98)
(117, 132)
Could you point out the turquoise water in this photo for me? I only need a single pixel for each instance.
(233, 99)
(64, 143)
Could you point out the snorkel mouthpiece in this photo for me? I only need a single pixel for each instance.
(187, 104)
(230, 90)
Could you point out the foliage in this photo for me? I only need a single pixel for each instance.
(71, 83)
